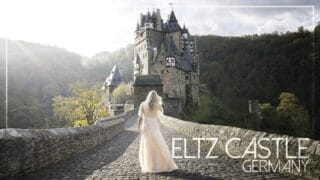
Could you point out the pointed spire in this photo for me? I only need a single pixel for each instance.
(172, 17)
(114, 79)
(148, 14)
(154, 14)
(154, 17)
(148, 18)
(184, 29)
(171, 5)
(172, 23)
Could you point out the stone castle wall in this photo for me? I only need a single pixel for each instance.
(25, 150)
(141, 92)
(172, 106)
(224, 133)
(174, 79)
(175, 83)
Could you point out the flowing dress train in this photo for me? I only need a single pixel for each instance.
(154, 154)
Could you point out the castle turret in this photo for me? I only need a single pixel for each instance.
(112, 82)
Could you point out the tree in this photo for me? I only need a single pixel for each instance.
(289, 103)
(121, 93)
(66, 111)
(84, 104)
(298, 118)
(268, 115)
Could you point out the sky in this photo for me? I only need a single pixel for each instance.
(88, 27)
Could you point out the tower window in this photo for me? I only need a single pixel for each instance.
(161, 71)
(171, 61)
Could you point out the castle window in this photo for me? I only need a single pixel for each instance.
(187, 77)
(161, 71)
(171, 61)
(167, 70)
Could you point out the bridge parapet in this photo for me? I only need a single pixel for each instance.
(25, 150)
(225, 133)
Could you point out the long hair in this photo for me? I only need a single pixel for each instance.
(154, 100)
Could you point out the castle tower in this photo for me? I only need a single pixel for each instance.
(167, 50)
(112, 82)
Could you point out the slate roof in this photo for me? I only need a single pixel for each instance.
(148, 80)
(172, 23)
(186, 60)
(114, 79)
(170, 47)
(172, 17)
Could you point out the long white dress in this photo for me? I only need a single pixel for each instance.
(154, 154)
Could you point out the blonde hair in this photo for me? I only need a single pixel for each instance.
(154, 101)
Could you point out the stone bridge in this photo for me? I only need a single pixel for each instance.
(109, 150)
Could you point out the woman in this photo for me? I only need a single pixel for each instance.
(154, 154)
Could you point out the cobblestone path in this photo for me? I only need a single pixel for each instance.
(118, 159)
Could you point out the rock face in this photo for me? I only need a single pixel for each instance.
(25, 150)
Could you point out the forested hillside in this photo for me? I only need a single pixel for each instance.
(258, 67)
(262, 67)
(37, 73)
(102, 63)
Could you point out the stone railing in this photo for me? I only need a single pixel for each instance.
(25, 150)
(225, 133)
(124, 116)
